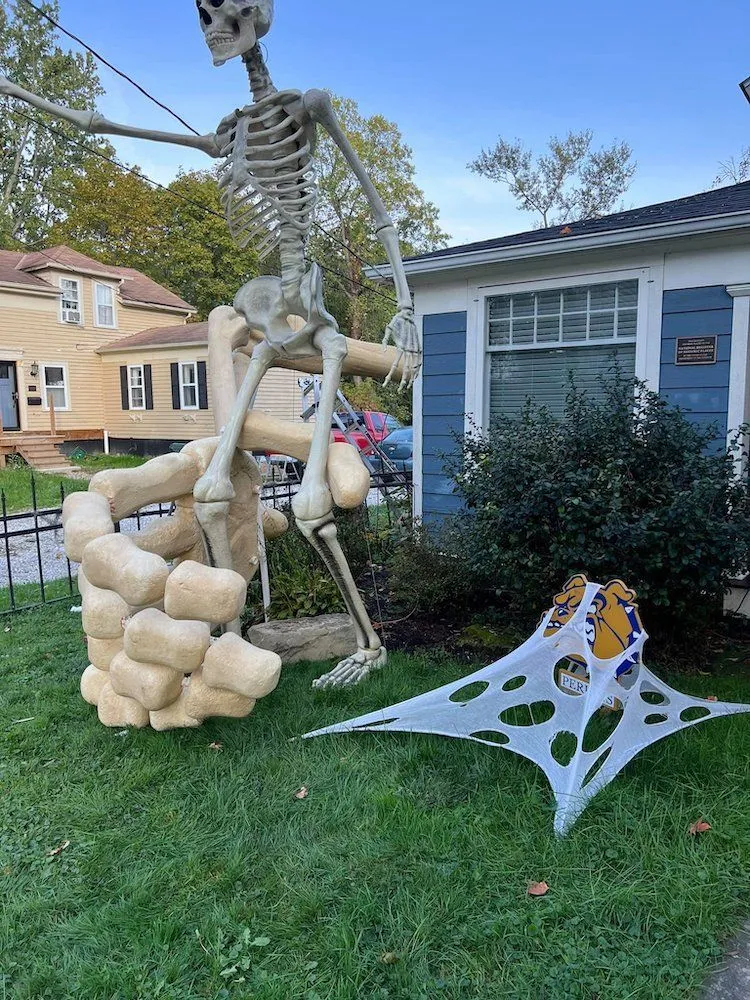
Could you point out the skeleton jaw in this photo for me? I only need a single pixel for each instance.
(225, 45)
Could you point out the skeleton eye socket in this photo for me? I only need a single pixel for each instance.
(216, 3)
(247, 11)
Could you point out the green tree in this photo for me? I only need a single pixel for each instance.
(37, 167)
(197, 255)
(114, 217)
(570, 182)
(343, 212)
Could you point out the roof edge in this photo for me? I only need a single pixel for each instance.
(26, 289)
(564, 244)
(159, 306)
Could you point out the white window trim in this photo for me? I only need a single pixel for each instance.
(105, 326)
(183, 404)
(79, 283)
(43, 365)
(479, 351)
(142, 369)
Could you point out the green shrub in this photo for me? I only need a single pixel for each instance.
(428, 574)
(626, 487)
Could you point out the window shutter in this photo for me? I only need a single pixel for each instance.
(124, 387)
(175, 371)
(202, 386)
(149, 387)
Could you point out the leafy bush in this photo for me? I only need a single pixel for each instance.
(428, 574)
(626, 487)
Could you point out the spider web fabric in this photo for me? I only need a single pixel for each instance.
(651, 710)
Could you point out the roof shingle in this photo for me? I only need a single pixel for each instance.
(160, 336)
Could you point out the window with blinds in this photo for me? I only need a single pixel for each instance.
(564, 316)
(542, 342)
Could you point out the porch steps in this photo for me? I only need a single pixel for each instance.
(42, 453)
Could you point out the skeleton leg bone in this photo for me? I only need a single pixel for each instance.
(313, 510)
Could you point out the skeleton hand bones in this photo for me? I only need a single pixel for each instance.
(402, 331)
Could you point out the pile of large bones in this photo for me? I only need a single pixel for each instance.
(151, 603)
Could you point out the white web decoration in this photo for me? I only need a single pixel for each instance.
(565, 689)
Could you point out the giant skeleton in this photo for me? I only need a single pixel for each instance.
(268, 191)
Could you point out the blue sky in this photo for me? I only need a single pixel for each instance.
(660, 74)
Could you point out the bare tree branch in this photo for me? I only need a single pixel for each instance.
(567, 183)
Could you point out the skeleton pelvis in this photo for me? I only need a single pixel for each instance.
(287, 316)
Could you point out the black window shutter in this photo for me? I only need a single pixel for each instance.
(149, 385)
(175, 369)
(202, 386)
(124, 387)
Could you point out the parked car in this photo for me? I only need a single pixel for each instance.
(398, 448)
(379, 426)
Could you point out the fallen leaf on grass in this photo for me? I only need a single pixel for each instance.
(389, 958)
(302, 793)
(712, 697)
(56, 851)
(218, 747)
(538, 889)
(700, 827)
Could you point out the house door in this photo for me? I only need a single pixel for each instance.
(9, 396)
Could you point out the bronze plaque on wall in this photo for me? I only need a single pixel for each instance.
(697, 350)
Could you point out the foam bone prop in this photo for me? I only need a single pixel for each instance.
(584, 657)
(154, 666)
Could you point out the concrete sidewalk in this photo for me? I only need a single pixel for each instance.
(731, 981)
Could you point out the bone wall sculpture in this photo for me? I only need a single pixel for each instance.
(268, 190)
(584, 658)
(153, 660)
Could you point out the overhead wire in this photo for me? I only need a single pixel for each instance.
(109, 65)
(97, 55)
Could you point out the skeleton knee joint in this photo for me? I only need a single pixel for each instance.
(334, 348)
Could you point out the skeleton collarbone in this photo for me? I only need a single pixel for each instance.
(266, 180)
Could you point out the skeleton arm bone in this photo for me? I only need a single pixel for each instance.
(93, 122)
(402, 329)
(318, 105)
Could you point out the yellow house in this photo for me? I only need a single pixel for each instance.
(89, 351)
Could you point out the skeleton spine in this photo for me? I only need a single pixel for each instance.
(291, 241)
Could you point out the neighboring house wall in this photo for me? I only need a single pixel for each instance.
(32, 332)
(278, 395)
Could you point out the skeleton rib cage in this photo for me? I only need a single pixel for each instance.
(267, 180)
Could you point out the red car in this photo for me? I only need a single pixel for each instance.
(379, 426)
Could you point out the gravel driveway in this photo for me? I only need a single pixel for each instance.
(21, 550)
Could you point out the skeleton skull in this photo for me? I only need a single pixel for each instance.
(232, 27)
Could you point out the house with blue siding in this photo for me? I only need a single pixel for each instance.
(661, 292)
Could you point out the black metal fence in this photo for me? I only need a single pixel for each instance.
(35, 571)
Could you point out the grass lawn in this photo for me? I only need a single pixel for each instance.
(195, 873)
(15, 481)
